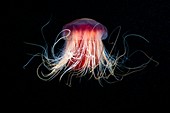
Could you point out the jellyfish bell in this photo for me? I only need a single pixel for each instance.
(86, 24)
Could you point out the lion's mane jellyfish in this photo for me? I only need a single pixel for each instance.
(84, 54)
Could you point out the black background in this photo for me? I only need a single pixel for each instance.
(23, 89)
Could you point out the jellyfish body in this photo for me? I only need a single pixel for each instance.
(84, 44)
(84, 54)
(84, 50)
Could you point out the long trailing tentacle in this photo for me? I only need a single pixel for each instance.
(118, 62)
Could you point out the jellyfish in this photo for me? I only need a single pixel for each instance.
(84, 54)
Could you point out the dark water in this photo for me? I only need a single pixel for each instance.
(145, 89)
